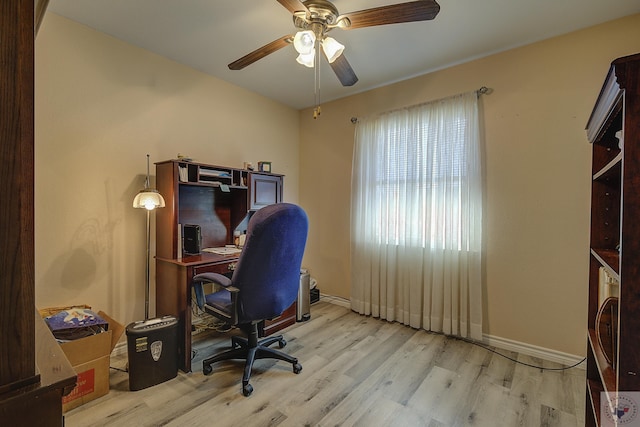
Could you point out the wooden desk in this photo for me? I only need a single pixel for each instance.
(173, 292)
(173, 296)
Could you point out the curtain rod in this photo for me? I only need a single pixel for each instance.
(482, 91)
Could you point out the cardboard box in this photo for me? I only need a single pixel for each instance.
(90, 358)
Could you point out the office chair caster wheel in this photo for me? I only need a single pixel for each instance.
(247, 389)
(207, 369)
(297, 368)
(282, 342)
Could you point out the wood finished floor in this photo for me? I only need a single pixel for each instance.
(357, 371)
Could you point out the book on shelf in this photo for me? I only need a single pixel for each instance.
(214, 172)
(183, 173)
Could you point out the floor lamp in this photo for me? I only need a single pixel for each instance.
(149, 199)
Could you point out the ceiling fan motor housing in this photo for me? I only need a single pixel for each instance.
(320, 12)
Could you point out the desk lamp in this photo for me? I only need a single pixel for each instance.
(149, 199)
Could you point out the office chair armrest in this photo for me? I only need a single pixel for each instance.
(218, 279)
(234, 304)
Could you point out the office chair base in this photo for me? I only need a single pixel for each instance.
(250, 349)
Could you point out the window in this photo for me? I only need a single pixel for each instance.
(416, 170)
(430, 167)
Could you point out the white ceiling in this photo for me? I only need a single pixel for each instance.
(209, 34)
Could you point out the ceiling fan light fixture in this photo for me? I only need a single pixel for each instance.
(307, 59)
(332, 48)
(304, 42)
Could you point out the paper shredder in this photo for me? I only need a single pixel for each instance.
(152, 346)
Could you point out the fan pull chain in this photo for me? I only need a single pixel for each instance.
(317, 110)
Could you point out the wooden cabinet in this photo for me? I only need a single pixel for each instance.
(220, 200)
(613, 348)
(265, 190)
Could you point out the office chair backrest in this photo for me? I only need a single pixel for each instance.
(268, 271)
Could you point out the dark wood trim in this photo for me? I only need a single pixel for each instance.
(17, 293)
(34, 372)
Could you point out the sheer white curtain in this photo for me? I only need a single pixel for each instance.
(416, 217)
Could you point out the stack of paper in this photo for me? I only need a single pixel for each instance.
(227, 250)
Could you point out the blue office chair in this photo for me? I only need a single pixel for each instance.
(265, 283)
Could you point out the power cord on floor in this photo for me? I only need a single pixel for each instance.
(486, 347)
(218, 327)
(201, 321)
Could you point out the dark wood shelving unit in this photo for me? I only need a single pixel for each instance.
(219, 199)
(614, 132)
(609, 259)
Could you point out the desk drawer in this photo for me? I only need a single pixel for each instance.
(225, 268)
(287, 318)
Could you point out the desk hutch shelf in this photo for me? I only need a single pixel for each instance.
(217, 198)
(613, 339)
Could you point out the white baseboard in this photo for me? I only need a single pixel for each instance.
(343, 302)
(499, 342)
(534, 351)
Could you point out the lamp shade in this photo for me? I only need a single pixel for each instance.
(148, 199)
(304, 42)
(307, 59)
(332, 48)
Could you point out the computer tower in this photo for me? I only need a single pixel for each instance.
(192, 239)
(153, 351)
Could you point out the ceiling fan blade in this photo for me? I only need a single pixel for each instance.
(420, 10)
(260, 53)
(294, 5)
(343, 70)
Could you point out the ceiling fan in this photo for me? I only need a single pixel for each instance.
(315, 18)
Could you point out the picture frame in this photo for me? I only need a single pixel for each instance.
(264, 167)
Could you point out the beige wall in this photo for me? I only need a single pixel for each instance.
(101, 106)
(537, 177)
